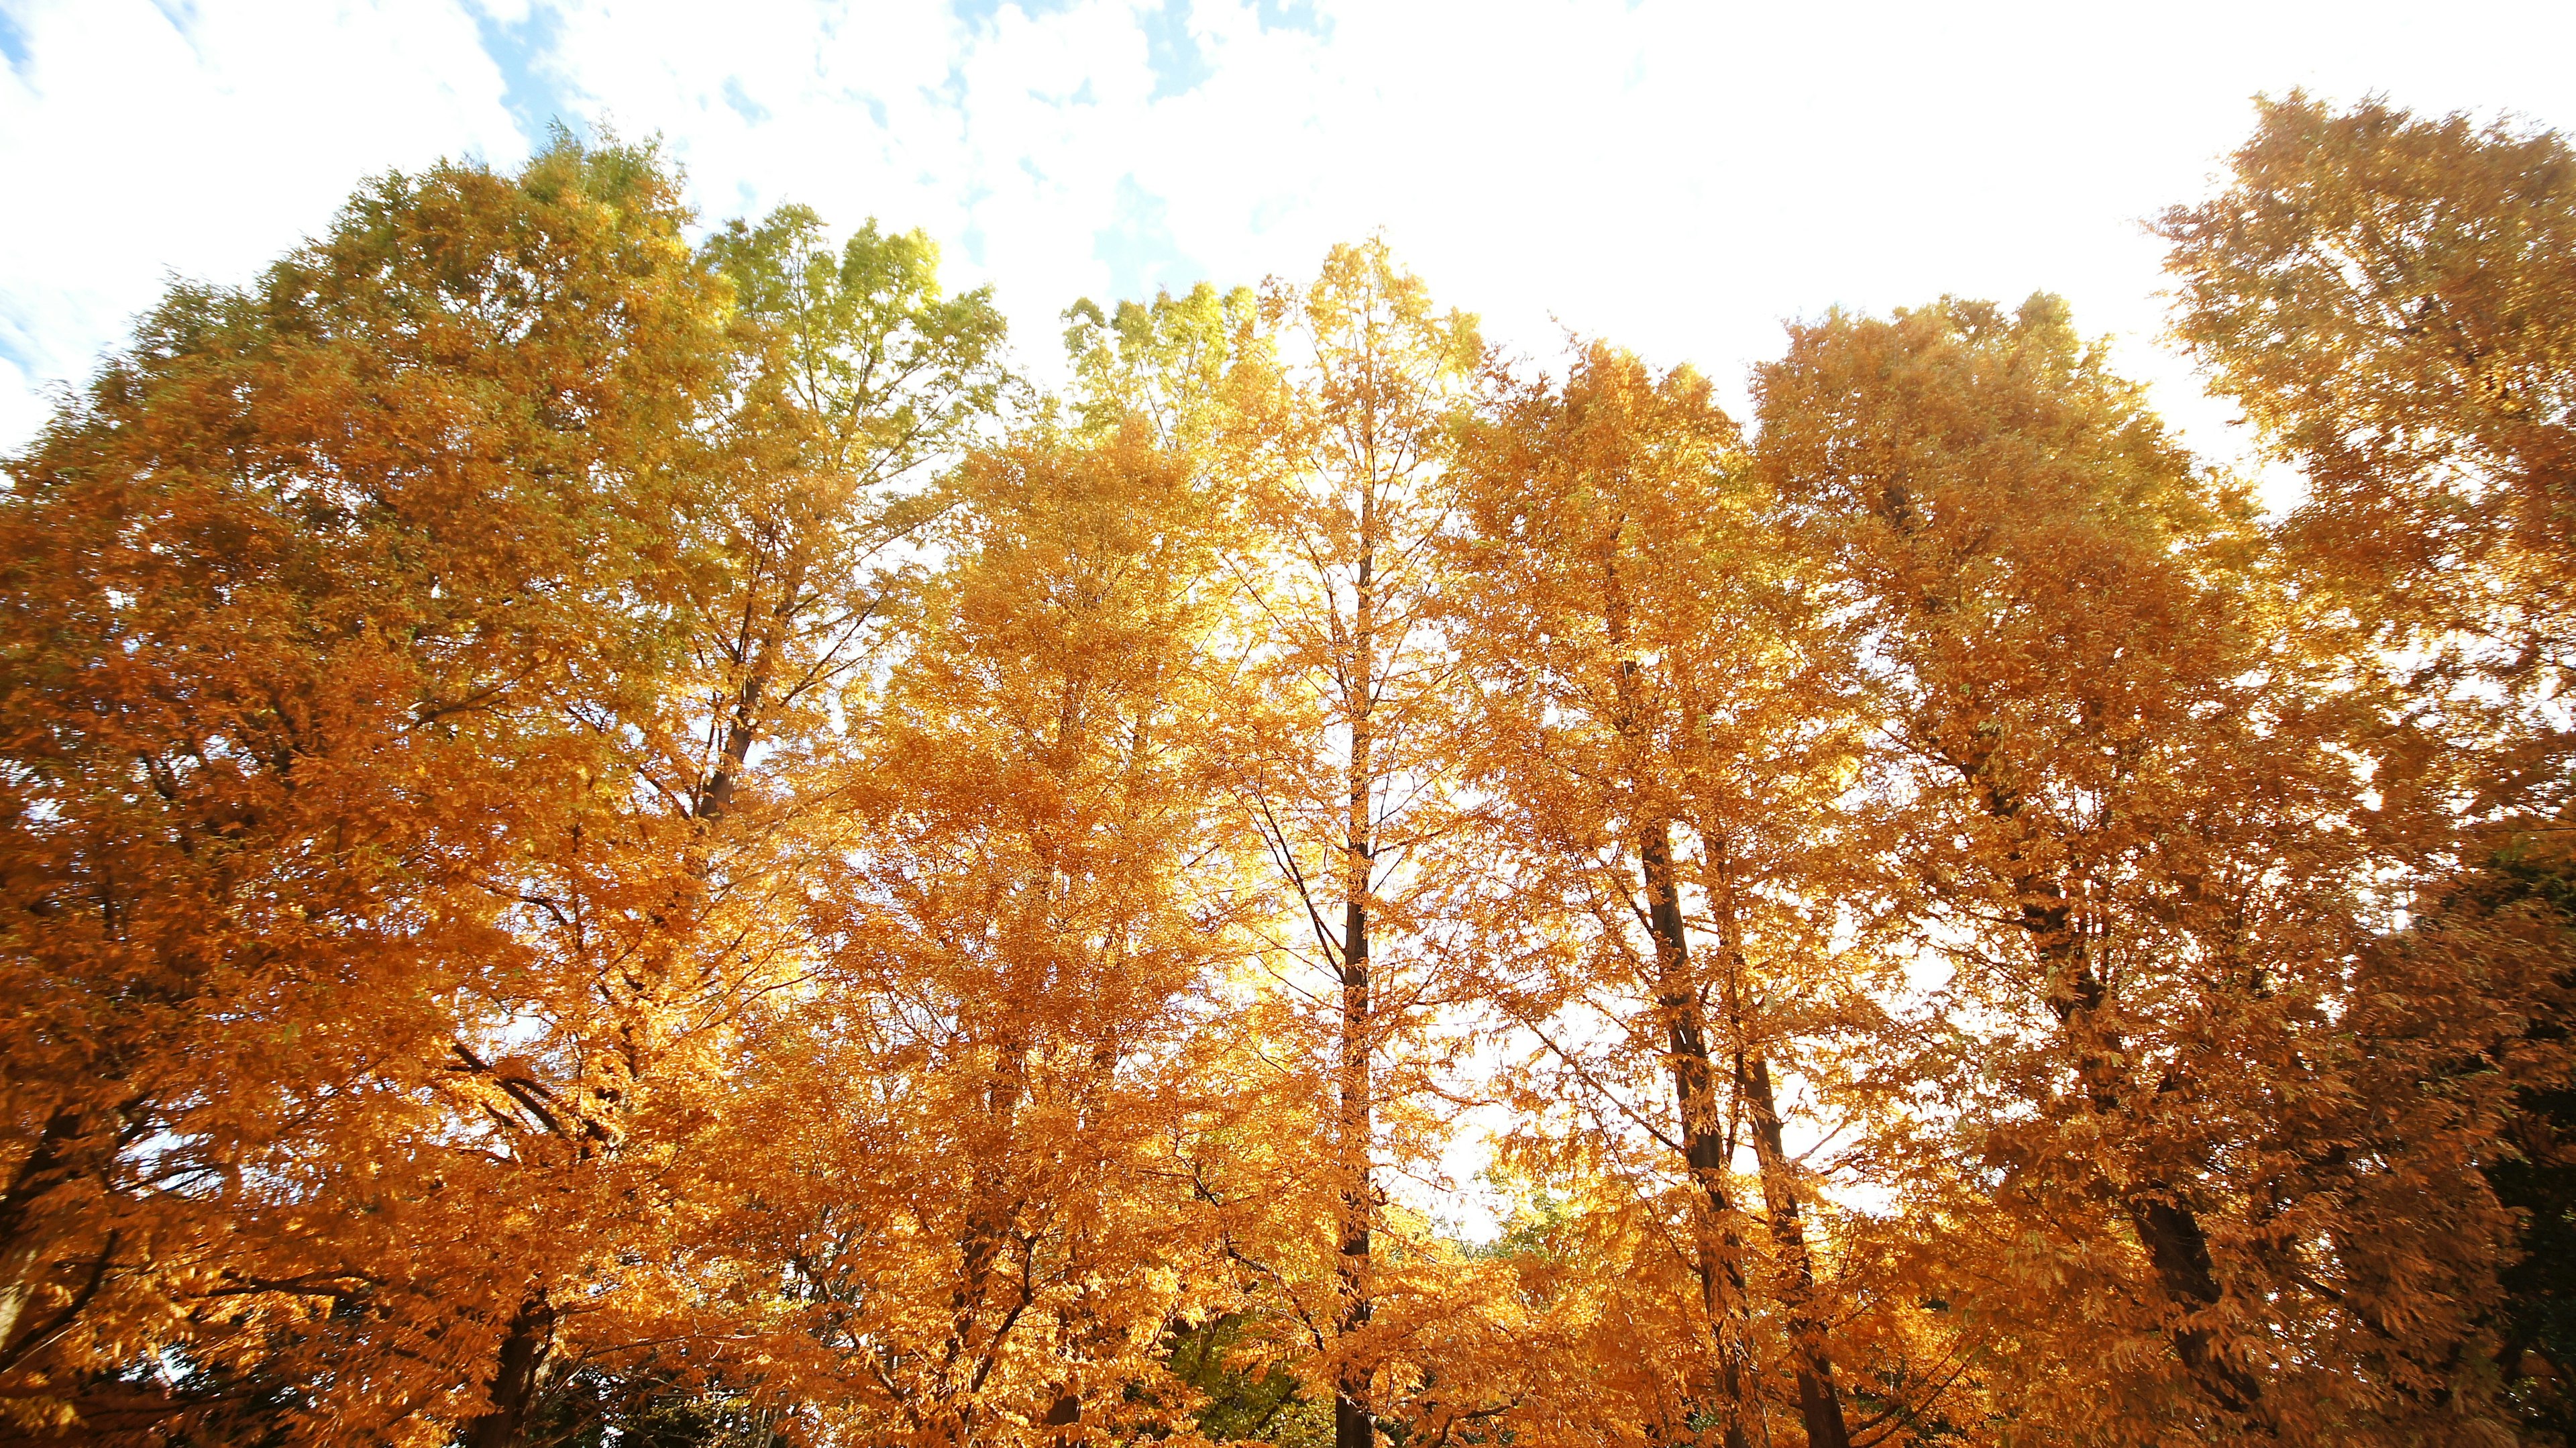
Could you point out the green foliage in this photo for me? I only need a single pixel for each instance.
(1255, 1401)
(1164, 363)
(883, 368)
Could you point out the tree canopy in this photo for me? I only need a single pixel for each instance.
(611, 838)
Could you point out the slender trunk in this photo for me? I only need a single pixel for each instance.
(1087, 1331)
(741, 731)
(751, 697)
(1003, 1163)
(988, 1215)
(2177, 1245)
(1720, 1251)
(1704, 1146)
(531, 1336)
(22, 1248)
(2179, 1248)
(525, 1348)
(963, 1362)
(1819, 1403)
(1353, 1426)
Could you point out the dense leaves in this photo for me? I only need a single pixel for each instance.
(617, 840)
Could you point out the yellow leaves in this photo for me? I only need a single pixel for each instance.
(336, 690)
(555, 841)
(2386, 294)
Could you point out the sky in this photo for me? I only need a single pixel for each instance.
(1680, 178)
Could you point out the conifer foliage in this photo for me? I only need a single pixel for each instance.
(611, 839)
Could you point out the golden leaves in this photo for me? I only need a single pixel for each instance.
(612, 836)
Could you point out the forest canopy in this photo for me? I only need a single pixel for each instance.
(615, 838)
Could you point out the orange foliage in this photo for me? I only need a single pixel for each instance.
(605, 838)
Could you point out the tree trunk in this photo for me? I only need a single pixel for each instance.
(1354, 1125)
(1719, 1250)
(989, 1214)
(521, 1373)
(1704, 1146)
(22, 1248)
(743, 716)
(1353, 1426)
(1819, 1403)
(2177, 1246)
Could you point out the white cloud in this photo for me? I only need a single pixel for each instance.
(1677, 176)
(134, 147)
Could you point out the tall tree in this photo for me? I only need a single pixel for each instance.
(2149, 838)
(1345, 458)
(1665, 735)
(305, 598)
(972, 1201)
(2393, 302)
(2389, 297)
(674, 907)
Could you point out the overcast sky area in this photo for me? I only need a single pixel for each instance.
(1680, 178)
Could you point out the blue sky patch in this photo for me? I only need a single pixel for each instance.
(1171, 51)
(743, 105)
(1292, 15)
(19, 345)
(13, 42)
(182, 14)
(980, 14)
(528, 90)
(950, 92)
(1138, 247)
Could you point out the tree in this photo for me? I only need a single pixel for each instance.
(304, 599)
(1344, 459)
(2388, 298)
(1172, 366)
(675, 910)
(1667, 731)
(2390, 301)
(979, 1230)
(604, 840)
(2149, 837)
